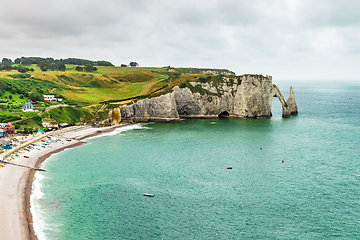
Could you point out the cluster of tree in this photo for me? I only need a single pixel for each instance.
(20, 68)
(6, 61)
(47, 65)
(32, 89)
(5, 67)
(27, 91)
(87, 68)
(75, 61)
(52, 64)
(131, 64)
(6, 64)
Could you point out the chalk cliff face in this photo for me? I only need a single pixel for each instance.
(247, 96)
(161, 108)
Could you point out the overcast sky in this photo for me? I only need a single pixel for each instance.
(288, 39)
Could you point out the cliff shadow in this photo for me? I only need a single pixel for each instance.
(224, 114)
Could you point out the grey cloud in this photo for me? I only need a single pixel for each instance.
(287, 39)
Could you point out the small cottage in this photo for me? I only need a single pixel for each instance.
(27, 107)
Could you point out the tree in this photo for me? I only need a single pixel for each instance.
(7, 67)
(53, 67)
(133, 64)
(87, 68)
(103, 63)
(90, 68)
(44, 68)
(62, 67)
(10, 97)
(17, 61)
(3, 85)
(22, 69)
(34, 96)
(6, 61)
(79, 69)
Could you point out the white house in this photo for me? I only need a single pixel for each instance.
(49, 98)
(27, 107)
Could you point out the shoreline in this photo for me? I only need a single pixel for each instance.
(17, 182)
(28, 188)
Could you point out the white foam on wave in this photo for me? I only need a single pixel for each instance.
(121, 129)
(35, 208)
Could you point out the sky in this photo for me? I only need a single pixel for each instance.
(287, 39)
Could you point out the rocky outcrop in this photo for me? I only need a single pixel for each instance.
(115, 116)
(246, 96)
(292, 103)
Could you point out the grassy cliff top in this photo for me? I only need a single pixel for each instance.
(107, 83)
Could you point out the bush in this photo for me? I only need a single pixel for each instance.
(183, 85)
(20, 75)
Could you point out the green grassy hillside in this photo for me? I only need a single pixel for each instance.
(88, 91)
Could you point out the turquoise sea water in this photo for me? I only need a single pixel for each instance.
(96, 191)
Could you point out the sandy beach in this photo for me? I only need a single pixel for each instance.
(16, 182)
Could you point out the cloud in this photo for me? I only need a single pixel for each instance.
(289, 39)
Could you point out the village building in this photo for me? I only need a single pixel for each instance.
(27, 107)
(49, 123)
(2, 130)
(2, 133)
(9, 129)
(49, 98)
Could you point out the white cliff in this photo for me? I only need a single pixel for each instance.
(246, 96)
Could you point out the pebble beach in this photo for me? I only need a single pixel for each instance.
(16, 181)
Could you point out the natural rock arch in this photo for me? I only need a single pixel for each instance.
(285, 107)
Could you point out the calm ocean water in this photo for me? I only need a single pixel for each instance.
(96, 191)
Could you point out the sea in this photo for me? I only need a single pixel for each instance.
(289, 178)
